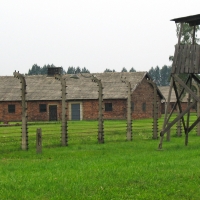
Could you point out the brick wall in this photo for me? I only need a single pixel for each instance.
(5, 116)
(142, 94)
(33, 111)
(90, 109)
(184, 106)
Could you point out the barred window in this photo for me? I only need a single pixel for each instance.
(108, 106)
(144, 107)
(11, 108)
(43, 107)
(132, 106)
(172, 105)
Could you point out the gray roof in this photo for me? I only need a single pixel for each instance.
(40, 87)
(165, 91)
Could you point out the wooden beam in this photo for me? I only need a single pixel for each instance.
(194, 124)
(167, 120)
(176, 119)
(188, 114)
(193, 35)
(186, 88)
(168, 102)
(195, 78)
(179, 104)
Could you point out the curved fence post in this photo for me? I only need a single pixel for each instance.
(129, 110)
(24, 110)
(155, 110)
(64, 136)
(100, 107)
(100, 113)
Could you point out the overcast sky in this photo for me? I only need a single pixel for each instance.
(96, 34)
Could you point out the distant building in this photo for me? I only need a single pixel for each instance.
(184, 100)
(44, 97)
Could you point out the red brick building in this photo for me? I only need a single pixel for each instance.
(184, 100)
(44, 97)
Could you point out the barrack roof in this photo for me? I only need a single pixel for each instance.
(165, 91)
(41, 87)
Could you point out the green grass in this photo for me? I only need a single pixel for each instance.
(117, 169)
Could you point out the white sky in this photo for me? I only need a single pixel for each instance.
(96, 34)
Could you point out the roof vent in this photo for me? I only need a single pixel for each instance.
(53, 70)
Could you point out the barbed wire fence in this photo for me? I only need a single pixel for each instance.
(64, 132)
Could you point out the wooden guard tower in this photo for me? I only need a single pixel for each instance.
(186, 61)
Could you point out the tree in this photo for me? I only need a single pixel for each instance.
(109, 70)
(77, 70)
(84, 70)
(71, 70)
(132, 70)
(187, 33)
(152, 73)
(165, 72)
(160, 76)
(36, 70)
(155, 74)
(124, 69)
(44, 69)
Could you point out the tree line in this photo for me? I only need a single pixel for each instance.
(161, 76)
(37, 70)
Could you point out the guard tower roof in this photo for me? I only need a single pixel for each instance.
(192, 20)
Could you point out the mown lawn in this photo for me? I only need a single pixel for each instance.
(117, 169)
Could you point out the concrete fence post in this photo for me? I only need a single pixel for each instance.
(100, 112)
(64, 136)
(155, 110)
(39, 140)
(129, 110)
(24, 144)
(100, 103)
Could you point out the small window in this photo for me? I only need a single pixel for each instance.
(11, 108)
(144, 107)
(195, 106)
(172, 106)
(108, 106)
(132, 106)
(43, 108)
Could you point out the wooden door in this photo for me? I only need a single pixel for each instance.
(75, 114)
(53, 113)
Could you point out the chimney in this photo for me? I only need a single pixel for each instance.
(51, 71)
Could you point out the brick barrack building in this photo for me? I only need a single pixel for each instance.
(43, 97)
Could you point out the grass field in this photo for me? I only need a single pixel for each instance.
(117, 169)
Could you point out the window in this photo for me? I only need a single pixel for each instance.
(43, 108)
(195, 106)
(172, 106)
(11, 108)
(132, 106)
(144, 107)
(108, 106)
